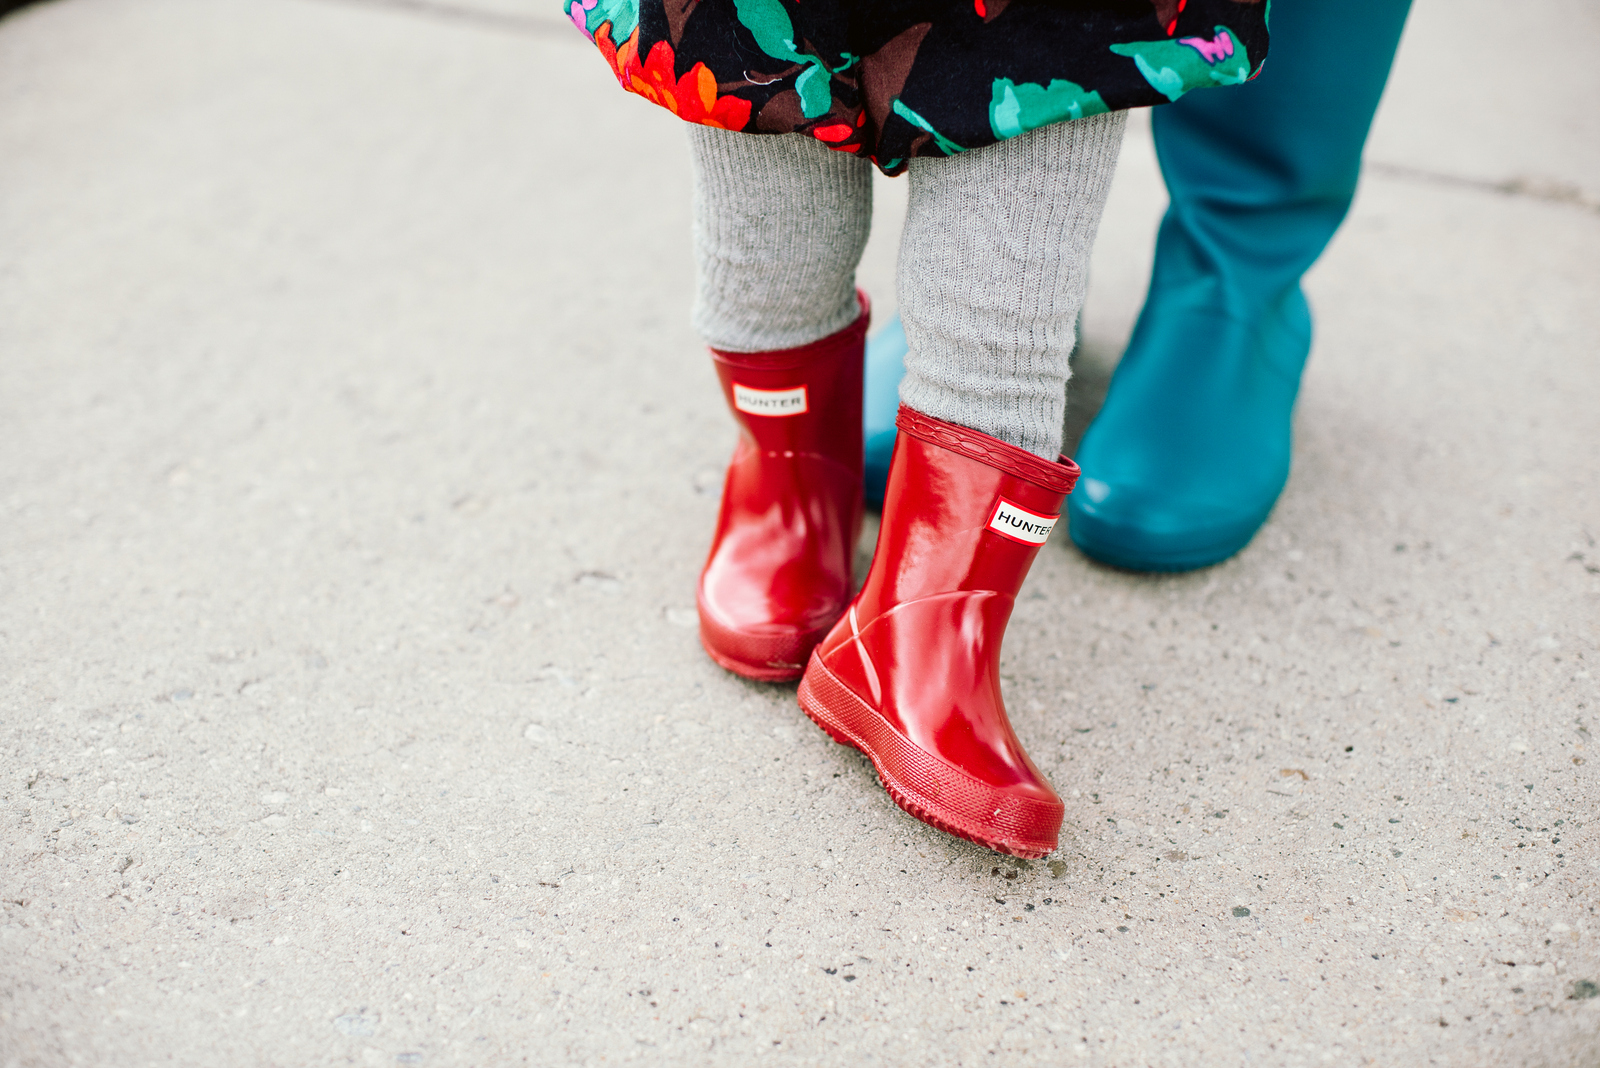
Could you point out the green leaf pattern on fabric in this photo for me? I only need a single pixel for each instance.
(947, 146)
(1174, 67)
(622, 14)
(1015, 109)
(770, 25)
(918, 78)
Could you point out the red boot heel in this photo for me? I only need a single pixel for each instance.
(911, 674)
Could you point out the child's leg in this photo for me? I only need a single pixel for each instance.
(993, 268)
(991, 277)
(780, 224)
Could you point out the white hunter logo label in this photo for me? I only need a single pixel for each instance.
(769, 401)
(1019, 524)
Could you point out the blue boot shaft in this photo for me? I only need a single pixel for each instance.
(1192, 447)
(880, 402)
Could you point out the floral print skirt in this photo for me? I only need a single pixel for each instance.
(893, 79)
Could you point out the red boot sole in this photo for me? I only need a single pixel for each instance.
(914, 778)
(753, 672)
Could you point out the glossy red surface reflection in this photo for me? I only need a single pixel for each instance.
(778, 574)
(911, 674)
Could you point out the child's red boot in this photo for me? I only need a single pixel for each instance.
(778, 575)
(911, 674)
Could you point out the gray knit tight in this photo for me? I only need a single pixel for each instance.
(992, 263)
(780, 224)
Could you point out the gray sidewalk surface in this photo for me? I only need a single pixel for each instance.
(356, 463)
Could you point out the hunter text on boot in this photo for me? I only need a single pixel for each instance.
(769, 401)
(1019, 524)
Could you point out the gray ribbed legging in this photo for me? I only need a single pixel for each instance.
(992, 268)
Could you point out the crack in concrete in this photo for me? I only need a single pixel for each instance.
(1548, 190)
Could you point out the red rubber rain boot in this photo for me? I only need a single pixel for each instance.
(778, 575)
(911, 674)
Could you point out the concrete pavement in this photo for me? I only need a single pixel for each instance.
(356, 462)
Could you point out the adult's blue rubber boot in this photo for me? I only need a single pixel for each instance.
(880, 403)
(1192, 447)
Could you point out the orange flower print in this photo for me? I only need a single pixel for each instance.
(623, 61)
(692, 98)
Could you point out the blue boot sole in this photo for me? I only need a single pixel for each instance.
(1133, 549)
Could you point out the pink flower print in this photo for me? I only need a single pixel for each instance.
(1213, 51)
(578, 12)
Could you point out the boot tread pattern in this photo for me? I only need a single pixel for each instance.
(928, 788)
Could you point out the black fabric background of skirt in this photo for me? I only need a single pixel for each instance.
(900, 78)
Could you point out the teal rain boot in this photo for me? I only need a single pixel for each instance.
(1192, 447)
(880, 402)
